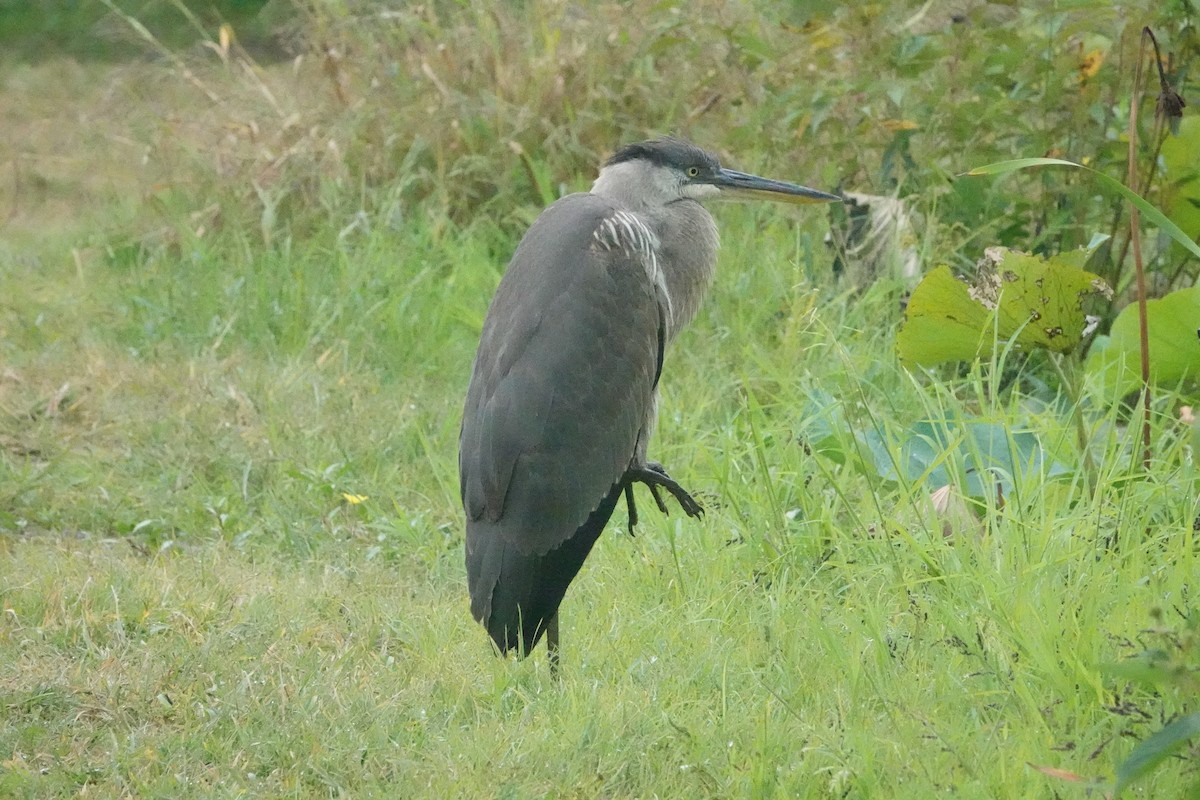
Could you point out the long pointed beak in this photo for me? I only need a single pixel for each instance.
(736, 185)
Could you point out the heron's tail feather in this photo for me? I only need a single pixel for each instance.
(513, 593)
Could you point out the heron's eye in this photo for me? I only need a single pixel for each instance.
(693, 171)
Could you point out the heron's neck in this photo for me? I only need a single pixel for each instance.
(687, 255)
(686, 232)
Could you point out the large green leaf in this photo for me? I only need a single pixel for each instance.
(942, 322)
(1030, 301)
(1181, 171)
(1173, 322)
(978, 456)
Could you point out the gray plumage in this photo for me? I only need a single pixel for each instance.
(563, 399)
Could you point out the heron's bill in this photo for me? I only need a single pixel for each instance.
(736, 185)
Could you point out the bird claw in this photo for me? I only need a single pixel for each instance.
(654, 475)
(662, 506)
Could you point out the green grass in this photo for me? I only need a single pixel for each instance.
(196, 600)
(88, 31)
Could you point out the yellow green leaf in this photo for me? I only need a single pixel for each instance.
(1026, 300)
(942, 322)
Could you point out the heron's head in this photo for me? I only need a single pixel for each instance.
(663, 171)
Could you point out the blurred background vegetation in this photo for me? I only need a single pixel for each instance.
(469, 112)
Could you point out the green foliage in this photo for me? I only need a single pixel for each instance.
(1174, 327)
(1149, 211)
(943, 319)
(85, 29)
(1017, 300)
(1181, 175)
(480, 113)
(983, 459)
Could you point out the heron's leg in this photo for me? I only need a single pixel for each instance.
(655, 475)
(552, 644)
(633, 515)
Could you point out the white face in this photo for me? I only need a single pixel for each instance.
(700, 191)
(641, 182)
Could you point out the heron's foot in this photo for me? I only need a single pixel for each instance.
(655, 475)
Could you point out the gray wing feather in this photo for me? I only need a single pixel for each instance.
(562, 381)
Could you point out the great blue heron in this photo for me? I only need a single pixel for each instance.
(563, 393)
